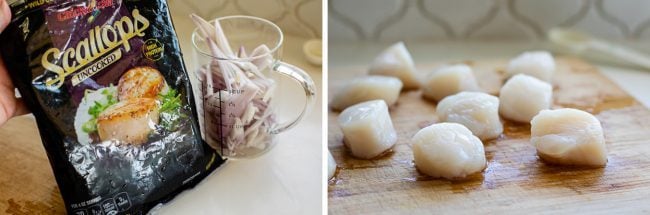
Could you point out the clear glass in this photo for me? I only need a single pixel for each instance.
(236, 110)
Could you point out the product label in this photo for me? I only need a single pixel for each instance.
(100, 43)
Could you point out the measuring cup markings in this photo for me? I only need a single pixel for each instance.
(239, 117)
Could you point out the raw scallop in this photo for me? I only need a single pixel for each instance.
(396, 61)
(368, 88)
(479, 112)
(523, 96)
(569, 137)
(331, 165)
(539, 64)
(449, 80)
(448, 150)
(367, 129)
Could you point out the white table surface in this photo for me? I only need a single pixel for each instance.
(287, 180)
(635, 81)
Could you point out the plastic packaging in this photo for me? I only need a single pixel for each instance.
(107, 84)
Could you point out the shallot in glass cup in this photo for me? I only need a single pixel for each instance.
(235, 104)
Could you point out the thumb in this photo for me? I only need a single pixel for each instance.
(5, 15)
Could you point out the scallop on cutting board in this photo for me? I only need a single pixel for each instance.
(515, 179)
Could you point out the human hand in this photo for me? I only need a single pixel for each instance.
(10, 106)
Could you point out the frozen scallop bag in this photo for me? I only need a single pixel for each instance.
(106, 82)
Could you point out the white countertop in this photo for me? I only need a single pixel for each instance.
(287, 180)
(634, 80)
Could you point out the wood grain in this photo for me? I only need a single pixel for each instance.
(515, 179)
(27, 184)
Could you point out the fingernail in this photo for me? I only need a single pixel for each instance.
(5, 15)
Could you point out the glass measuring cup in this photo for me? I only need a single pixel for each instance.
(235, 105)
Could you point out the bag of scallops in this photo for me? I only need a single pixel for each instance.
(106, 82)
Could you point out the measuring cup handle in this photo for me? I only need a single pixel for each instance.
(307, 84)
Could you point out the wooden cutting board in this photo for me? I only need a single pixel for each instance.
(515, 179)
(27, 184)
